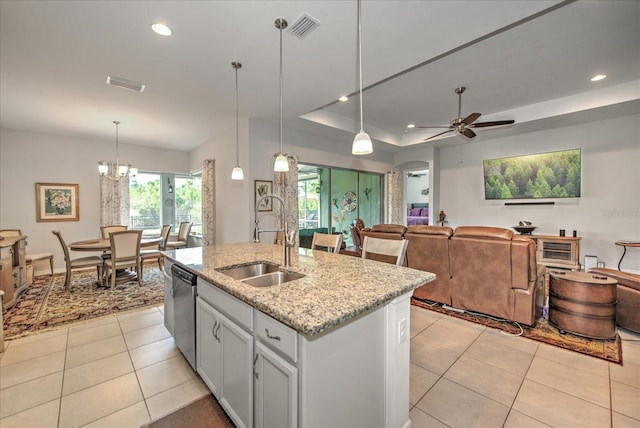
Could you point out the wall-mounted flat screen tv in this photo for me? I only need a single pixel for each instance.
(543, 175)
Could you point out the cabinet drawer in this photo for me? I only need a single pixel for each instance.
(232, 307)
(278, 336)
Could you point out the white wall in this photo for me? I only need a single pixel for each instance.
(27, 158)
(607, 211)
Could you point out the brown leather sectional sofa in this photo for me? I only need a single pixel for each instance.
(628, 297)
(481, 269)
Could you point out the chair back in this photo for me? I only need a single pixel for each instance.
(384, 250)
(125, 245)
(331, 242)
(10, 232)
(185, 229)
(164, 234)
(106, 230)
(65, 249)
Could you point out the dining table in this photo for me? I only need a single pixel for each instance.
(104, 245)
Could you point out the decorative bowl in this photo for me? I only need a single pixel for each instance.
(525, 230)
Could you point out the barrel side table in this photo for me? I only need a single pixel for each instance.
(583, 303)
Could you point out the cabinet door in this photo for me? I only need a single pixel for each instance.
(208, 346)
(276, 390)
(237, 353)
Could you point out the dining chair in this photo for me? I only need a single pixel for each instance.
(78, 263)
(106, 230)
(183, 236)
(384, 250)
(156, 253)
(125, 253)
(331, 242)
(30, 258)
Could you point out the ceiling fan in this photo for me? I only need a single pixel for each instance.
(464, 126)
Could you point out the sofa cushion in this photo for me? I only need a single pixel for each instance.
(424, 212)
(414, 212)
(430, 230)
(483, 232)
(389, 228)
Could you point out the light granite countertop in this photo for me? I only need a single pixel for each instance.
(335, 287)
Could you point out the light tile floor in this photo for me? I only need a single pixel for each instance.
(125, 370)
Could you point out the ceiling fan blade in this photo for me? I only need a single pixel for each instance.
(494, 123)
(471, 118)
(437, 135)
(468, 133)
(437, 126)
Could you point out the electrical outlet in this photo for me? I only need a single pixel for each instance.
(402, 330)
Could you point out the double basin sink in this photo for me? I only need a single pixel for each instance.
(260, 274)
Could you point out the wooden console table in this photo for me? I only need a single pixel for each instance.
(583, 303)
(13, 268)
(557, 251)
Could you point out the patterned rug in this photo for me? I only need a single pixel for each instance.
(46, 304)
(542, 331)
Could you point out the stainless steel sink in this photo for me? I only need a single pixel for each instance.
(273, 278)
(260, 274)
(249, 271)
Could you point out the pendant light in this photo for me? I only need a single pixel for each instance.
(115, 170)
(362, 142)
(281, 164)
(237, 173)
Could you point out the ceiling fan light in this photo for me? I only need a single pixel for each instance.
(362, 144)
(281, 164)
(237, 173)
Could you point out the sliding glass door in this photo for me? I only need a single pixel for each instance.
(331, 199)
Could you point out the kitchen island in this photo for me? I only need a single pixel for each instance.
(328, 349)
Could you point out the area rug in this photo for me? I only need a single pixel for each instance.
(203, 413)
(46, 304)
(542, 331)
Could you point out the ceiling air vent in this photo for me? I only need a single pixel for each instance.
(303, 26)
(124, 83)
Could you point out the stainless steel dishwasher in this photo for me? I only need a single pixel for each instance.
(184, 312)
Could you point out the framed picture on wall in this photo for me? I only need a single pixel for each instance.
(262, 188)
(57, 202)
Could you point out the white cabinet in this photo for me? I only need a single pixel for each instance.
(276, 377)
(224, 347)
(168, 296)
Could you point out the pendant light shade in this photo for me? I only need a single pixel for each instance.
(281, 164)
(362, 142)
(237, 173)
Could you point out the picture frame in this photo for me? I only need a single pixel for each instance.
(261, 188)
(57, 202)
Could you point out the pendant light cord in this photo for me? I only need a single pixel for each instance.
(117, 160)
(237, 127)
(281, 91)
(360, 63)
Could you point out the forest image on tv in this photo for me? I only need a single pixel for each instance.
(545, 175)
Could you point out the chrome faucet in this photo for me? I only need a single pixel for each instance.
(289, 236)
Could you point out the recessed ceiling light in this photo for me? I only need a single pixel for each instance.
(598, 77)
(343, 98)
(161, 29)
(411, 125)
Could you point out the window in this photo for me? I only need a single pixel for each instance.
(188, 201)
(144, 202)
(163, 198)
(333, 198)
